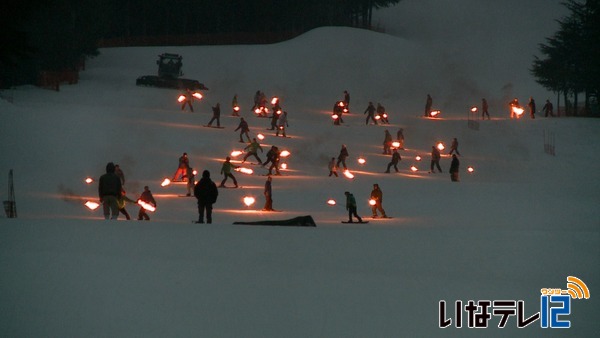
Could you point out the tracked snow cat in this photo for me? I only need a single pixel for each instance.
(169, 72)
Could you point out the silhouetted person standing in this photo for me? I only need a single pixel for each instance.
(206, 193)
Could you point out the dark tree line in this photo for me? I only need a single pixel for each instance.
(571, 63)
(37, 35)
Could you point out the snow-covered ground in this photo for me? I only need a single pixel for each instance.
(523, 221)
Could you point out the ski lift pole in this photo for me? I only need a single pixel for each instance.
(10, 206)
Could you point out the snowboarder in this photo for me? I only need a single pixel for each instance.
(394, 162)
(387, 143)
(268, 195)
(428, 105)
(184, 164)
(275, 157)
(454, 147)
(382, 114)
(532, 109)
(216, 115)
(206, 193)
(377, 197)
(146, 197)
(332, 167)
(351, 207)
(400, 138)
(276, 115)
(243, 128)
(548, 109)
(435, 159)
(282, 123)
(253, 148)
(122, 201)
(270, 155)
(338, 110)
(370, 111)
(454, 168)
(187, 101)
(342, 157)
(226, 171)
(109, 190)
(484, 109)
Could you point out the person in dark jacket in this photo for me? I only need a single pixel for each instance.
(347, 99)
(268, 192)
(435, 159)
(216, 115)
(146, 197)
(351, 207)
(342, 157)
(243, 128)
(400, 138)
(370, 111)
(484, 109)
(387, 143)
(109, 190)
(377, 198)
(428, 105)
(394, 162)
(548, 109)
(206, 193)
(454, 168)
(454, 147)
(532, 108)
(120, 173)
(274, 159)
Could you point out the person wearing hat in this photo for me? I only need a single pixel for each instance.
(351, 207)
(206, 193)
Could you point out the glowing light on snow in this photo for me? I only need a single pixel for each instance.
(440, 146)
(197, 95)
(385, 115)
(181, 98)
(470, 169)
(435, 113)
(236, 108)
(274, 100)
(243, 170)
(284, 166)
(418, 158)
(165, 182)
(413, 168)
(194, 172)
(249, 200)
(348, 174)
(335, 116)
(396, 144)
(146, 206)
(377, 117)
(474, 109)
(518, 110)
(92, 205)
(89, 180)
(236, 153)
(372, 202)
(285, 153)
(362, 160)
(260, 137)
(331, 202)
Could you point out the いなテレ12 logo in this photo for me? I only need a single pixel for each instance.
(555, 305)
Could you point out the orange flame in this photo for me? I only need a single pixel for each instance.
(274, 100)
(348, 174)
(181, 98)
(372, 202)
(146, 206)
(341, 104)
(470, 169)
(236, 108)
(89, 180)
(284, 166)
(518, 110)
(197, 95)
(435, 113)
(418, 158)
(362, 160)
(165, 182)
(396, 144)
(440, 146)
(245, 170)
(260, 136)
(335, 116)
(413, 168)
(474, 109)
(331, 202)
(236, 153)
(377, 117)
(285, 153)
(92, 205)
(249, 200)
